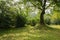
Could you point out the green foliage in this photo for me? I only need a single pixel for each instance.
(56, 22)
(33, 20)
(5, 21)
(52, 18)
(20, 20)
(57, 2)
(47, 21)
(55, 18)
(47, 18)
(10, 16)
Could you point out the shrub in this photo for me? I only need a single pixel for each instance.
(56, 22)
(47, 21)
(20, 20)
(33, 21)
(5, 21)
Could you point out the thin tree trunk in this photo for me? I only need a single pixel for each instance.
(42, 13)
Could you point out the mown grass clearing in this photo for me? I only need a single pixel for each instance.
(29, 33)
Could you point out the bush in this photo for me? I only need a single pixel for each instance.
(47, 21)
(5, 21)
(33, 21)
(20, 20)
(56, 22)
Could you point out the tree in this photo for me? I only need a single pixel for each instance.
(7, 14)
(11, 14)
(43, 5)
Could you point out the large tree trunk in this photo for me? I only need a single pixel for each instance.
(42, 17)
(42, 13)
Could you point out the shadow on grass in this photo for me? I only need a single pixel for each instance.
(11, 30)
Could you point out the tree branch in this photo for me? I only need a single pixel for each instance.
(49, 5)
(37, 6)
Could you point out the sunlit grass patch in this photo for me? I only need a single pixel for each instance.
(55, 26)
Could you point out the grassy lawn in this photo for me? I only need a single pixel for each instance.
(55, 26)
(30, 33)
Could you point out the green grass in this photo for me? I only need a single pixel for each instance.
(30, 33)
(55, 26)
